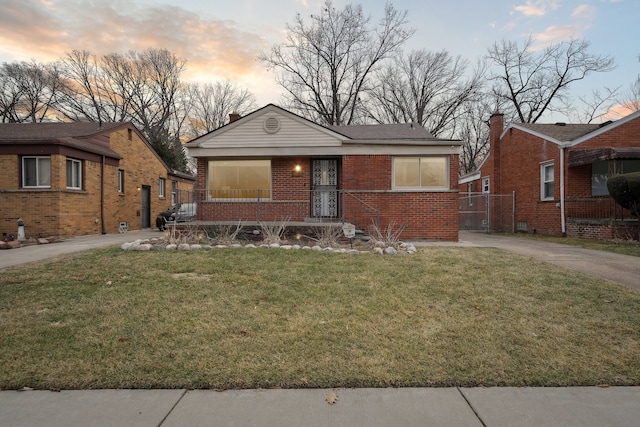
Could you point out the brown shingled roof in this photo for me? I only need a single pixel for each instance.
(47, 131)
(72, 134)
(561, 131)
(387, 131)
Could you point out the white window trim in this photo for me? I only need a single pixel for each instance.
(120, 181)
(24, 169)
(174, 192)
(445, 187)
(79, 163)
(162, 184)
(543, 167)
(488, 180)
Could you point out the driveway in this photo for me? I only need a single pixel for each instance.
(622, 269)
(25, 254)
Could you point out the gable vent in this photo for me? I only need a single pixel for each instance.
(271, 125)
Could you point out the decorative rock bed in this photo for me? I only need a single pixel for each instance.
(160, 244)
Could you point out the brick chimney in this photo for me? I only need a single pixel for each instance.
(496, 126)
(233, 117)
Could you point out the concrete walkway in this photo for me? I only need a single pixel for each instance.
(443, 407)
(622, 269)
(26, 254)
(477, 407)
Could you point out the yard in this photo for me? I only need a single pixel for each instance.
(260, 318)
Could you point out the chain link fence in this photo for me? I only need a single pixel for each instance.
(487, 212)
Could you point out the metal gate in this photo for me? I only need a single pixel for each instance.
(324, 190)
(487, 212)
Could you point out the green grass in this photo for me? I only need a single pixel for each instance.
(273, 318)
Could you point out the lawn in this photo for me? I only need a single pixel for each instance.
(240, 318)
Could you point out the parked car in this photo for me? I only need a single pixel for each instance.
(185, 212)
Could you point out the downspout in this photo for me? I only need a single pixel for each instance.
(102, 197)
(562, 219)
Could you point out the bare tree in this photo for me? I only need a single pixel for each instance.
(83, 95)
(428, 88)
(211, 104)
(473, 129)
(10, 94)
(144, 88)
(630, 98)
(326, 65)
(28, 90)
(535, 82)
(594, 106)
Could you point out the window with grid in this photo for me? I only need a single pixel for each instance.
(36, 172)
(74, 174)
(546, 181)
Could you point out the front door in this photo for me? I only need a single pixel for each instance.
(324, 188)
(146, 206)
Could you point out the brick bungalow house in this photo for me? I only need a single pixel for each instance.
(272, 164)
(559, 174)
(71, 179)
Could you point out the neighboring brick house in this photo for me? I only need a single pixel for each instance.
(71, 179)
(558, 173)
(273, 164)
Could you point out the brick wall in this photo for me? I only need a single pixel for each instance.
(602, 230)
(425, 215)
(514, 165)
(63, 212)
(367, 180)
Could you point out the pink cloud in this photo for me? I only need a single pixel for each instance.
(536, 7)
(584, 11)
(47, 30)
(555, 34)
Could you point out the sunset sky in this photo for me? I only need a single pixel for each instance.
(221, 39)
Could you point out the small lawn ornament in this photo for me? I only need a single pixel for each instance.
(349, 231)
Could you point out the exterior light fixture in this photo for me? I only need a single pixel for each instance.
(297, 170)
(139, 188)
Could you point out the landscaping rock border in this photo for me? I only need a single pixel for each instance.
(161, 244)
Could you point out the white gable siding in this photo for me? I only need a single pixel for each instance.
(292, 133)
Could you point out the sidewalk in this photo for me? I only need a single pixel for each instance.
(477, 407)
(442, 407)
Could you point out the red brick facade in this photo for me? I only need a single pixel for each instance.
(514, 165)
(366, 194)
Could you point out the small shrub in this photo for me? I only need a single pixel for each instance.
(225, 234)
(326, 237)
(625, 190)
(186, 233)
(273, 232)
(389, 237)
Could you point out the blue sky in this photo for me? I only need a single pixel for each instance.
(221, 39)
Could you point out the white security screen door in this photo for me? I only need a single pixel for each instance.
(325, 184)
